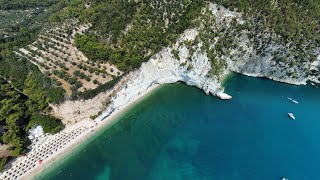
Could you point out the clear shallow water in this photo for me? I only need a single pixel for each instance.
(178, 132)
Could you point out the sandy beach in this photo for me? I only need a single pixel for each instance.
(88, 129)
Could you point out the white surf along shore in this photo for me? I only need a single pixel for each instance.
(163, 68)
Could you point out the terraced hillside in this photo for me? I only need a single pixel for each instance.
(56, 55)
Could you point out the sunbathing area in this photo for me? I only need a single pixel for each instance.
(45, 148)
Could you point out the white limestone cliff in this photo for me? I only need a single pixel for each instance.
(190, 68)
(164, 68)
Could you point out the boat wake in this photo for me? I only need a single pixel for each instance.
(292, 100)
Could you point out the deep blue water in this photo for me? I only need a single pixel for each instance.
(179, 133)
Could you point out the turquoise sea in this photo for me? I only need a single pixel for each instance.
(180, 133)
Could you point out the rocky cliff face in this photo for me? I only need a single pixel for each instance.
(265, 64)
(265, 55)
(196, 53)
(189, 64)
(165, 68)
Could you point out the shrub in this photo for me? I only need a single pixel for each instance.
(82, 75)
(78, 84)
(87, 78)
(72, 80)
(89, 94)
(189, 67)
(58, 83)
(76, 72)
(175, 54)
(3, 162)
(74, 88)
(92, 117)
(55, 72)
(49, 124)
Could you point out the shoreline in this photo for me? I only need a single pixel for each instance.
(93, 127)
(275, 79)
(96, 127)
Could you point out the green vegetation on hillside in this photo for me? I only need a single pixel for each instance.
(13, 113)
(90, 45)
(294, 24)
(89, 94)
(27, 77)
(295, 20)
(49, 124)
(25, 101)
(17, 111)
(18, 70)
(127, 33)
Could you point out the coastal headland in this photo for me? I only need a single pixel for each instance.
(189, 60)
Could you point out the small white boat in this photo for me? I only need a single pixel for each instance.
(313, 84)
(284, 179)
(292, 100)
(291, 116)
